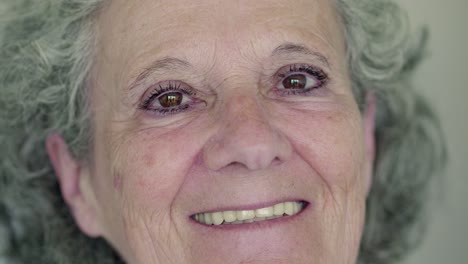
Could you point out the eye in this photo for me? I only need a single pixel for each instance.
(298, 79)
(169, 98)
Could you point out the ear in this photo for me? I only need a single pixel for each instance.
(75, 185)
(369, 137)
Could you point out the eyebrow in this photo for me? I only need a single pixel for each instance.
(291, 48)
(164, 64)
(175, 64)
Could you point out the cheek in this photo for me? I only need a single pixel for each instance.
(332, 144)
(153, 168)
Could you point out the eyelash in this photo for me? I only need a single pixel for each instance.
(319, 75)
(160, 89)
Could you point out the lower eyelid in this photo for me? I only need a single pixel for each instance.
(162, 112)
(284, 92)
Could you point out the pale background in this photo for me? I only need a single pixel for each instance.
(443, 78)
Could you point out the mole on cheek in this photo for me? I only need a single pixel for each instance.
(331, 117)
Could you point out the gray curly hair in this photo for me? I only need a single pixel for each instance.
(46, 54)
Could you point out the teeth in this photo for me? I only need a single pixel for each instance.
(208, 219)
(264, 212)
(288, 208)
(278, 209)
(229, 216)
(245, 215)
(250, 216)
(218, 218)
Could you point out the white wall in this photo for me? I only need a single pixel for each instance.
(444, 79)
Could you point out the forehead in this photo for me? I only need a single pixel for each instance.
(140, 30)
(223, 12)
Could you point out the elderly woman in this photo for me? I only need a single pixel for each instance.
(149, 132)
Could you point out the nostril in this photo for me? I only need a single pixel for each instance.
(276, 161)
(235, 164)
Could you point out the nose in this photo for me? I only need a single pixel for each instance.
(245, 137)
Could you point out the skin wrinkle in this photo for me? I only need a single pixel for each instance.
(116, 156)
(171, 213)
(118, 182)
(164, 64)
(323, 172)
(295, 48)
(124, 216)
(207, 74)
(321, 38)
(157, 225)
(156, 246)
(154, 255)
(172, 226)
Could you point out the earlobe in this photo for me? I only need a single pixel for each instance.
(369, 136)
(74, 185)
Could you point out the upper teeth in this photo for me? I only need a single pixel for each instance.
(249, 216)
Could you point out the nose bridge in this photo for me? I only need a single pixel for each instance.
(246, 137)
(243, 114)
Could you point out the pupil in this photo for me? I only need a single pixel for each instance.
(295, 81)
(171, 99)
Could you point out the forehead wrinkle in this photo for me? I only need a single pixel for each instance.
(288, 48)
(166, 31)
(161, 65)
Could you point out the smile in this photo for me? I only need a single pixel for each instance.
(249, 216)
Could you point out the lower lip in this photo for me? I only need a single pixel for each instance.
(256, 225)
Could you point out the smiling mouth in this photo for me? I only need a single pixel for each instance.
(279, 210)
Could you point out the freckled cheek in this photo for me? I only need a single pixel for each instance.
(331, 144)
(154, 171)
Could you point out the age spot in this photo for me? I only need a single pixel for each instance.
(118, 182)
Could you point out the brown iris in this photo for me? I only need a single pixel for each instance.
(295, 81)
(170, 99)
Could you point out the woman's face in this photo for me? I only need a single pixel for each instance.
(205, 111)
